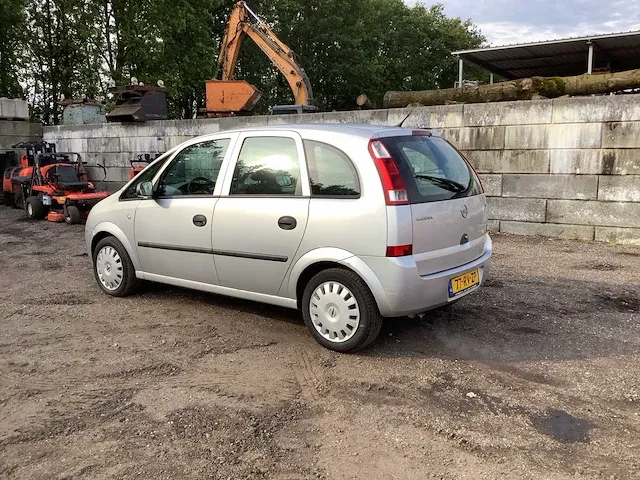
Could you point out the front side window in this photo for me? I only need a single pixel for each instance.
(146, 175)
(195, 170)
(267, 166)
(331, 172)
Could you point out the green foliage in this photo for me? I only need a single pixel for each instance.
(74, 48)
(11, 31)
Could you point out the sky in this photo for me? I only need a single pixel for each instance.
(516, 21)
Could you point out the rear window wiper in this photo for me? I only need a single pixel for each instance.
(447, 184)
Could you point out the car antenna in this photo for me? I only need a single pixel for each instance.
(405, 118)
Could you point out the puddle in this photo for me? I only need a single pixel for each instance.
(562, 427)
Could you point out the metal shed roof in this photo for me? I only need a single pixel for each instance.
(564, 57)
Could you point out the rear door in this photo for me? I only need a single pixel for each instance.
(259, 222)
(448, 208)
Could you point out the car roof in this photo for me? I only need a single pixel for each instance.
(359, 130)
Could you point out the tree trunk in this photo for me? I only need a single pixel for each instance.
(363, 102)
(523, 89)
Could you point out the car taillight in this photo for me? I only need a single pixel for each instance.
(395, 192)
(399, 250)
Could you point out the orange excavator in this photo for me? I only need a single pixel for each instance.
(228, 97)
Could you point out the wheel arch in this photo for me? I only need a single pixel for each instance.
(108, 229)
(321, 259)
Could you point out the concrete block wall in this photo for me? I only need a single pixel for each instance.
(567, 168)
(13, 132)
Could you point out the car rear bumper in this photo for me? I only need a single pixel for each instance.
(405, 292)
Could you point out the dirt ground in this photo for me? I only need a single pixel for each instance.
(535, 376)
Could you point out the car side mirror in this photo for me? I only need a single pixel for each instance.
(144, 189)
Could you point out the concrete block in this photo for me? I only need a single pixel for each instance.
(8, 108)
(110, 159)
(175, 141)
(570, 135)
(569, 232)
(142, 144)
(492, 184)
(296, 119)
(605, 161)
(114, 174)
(621, 162)
(230, 123)
(193, 128)
(493, 226)
(103, 145)
(443, 116)
(624, 236)
(524, 209)
(578, 162)
(373, 117)
(621, 135)
(476, 138)
(583, 187)
(22, 108)
(621, 108)
(608, 214)
(509, 161)
(23, 129)
(508, 113)
(619, 188)
(78, 145)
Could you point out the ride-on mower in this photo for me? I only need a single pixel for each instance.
(20, 172)
(58, 188)
(141, 162)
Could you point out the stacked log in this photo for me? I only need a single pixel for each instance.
(523, 89)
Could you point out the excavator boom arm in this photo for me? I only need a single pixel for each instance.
(281, 55)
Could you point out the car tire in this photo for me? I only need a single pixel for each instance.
(35, 208)
(329, 317)
(114, 253)
(7, 199)
(71, 215)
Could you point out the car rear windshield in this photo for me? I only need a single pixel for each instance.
(432, 169)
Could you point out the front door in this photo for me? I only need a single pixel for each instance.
(259, 224)
(173, 230)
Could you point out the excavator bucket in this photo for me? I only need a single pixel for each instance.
(225, 96)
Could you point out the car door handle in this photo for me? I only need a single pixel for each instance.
(199, 220)
(287, 223)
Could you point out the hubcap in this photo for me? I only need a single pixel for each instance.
(30, 209)
(109, 268)
(334, 312)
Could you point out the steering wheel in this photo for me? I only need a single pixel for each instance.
(200, 185)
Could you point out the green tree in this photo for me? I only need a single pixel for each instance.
(11, 32)
(59, 62)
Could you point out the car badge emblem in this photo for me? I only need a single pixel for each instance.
(464, 211)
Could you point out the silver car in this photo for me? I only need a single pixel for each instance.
(347, 223)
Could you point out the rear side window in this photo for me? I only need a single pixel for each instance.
(432, 169)
(331, 171)
(267, 166)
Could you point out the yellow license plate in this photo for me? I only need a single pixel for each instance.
(463, 282)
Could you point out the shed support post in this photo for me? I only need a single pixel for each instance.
(460, 68)
(590, 59)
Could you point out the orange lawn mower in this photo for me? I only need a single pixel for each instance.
(58, 189)
(15, 173)
(141, 162)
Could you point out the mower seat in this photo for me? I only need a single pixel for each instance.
(66, 178)
(73, 186)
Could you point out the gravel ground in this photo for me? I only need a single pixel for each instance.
(535, 376)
